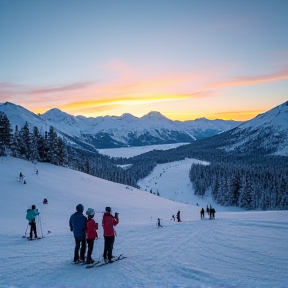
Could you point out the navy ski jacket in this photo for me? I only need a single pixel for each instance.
(78, 224)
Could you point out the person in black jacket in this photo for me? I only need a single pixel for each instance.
(202, 212)
(178, 216)
(78, 224)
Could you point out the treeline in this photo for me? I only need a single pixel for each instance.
(249, 185)
(31, 146)
(50, 148)
(235, 178)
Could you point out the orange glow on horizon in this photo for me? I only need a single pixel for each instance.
(236, 116)
(94, 112)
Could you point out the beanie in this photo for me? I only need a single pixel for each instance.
(90, 211)
(108, 209)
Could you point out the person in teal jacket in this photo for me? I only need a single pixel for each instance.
(30, 216)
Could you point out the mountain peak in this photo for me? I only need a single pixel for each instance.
(155, 114)
(127, 116)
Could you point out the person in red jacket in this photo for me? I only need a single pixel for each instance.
(108, 223)
(91, 234)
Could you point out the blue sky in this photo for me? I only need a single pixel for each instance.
(186, 59)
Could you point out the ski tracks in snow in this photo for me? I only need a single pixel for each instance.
(185, 254)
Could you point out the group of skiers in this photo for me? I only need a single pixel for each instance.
(210, 212)
(177, 217)
(85, 231)
(22, 177)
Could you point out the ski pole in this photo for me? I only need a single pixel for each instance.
(26, 231)
(40, 225)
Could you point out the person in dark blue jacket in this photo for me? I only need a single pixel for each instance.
(78, 224)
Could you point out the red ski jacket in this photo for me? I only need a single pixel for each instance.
(91, 232)
(108, 223)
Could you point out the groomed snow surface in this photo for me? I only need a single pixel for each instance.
(238, 249)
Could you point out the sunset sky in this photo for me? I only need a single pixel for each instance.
(186, 59)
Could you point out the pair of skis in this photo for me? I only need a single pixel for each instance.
(32, 239)
(102, 263)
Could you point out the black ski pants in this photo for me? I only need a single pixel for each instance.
(80, 243)
(90, 244)
(108, 246)
(33, 229)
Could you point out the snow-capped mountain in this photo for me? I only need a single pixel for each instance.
(267, 133)
(112, 131)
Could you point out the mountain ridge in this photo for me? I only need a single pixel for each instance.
(123, 131)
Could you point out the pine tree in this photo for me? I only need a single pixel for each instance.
(5, 133)
(25, 142)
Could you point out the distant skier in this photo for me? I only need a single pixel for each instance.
(173, 218)
(45, 201)
(212, 213)
(178, 216)
(108, 223)
(208, 211)
(159, 223)
(21, 177)
(202, 213)
(91, 234)
(78, 224)
(30, 216)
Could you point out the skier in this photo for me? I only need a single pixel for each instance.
(213, 211)
(30, 216)
(208, 210)
(91, 234)
(159, 223)
(178, 216)
(78, 224)
(45, 201)
(202, 212)
(108, 223)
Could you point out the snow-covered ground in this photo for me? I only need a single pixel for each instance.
(238, 249)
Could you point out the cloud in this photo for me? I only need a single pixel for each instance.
(283, 75)
(65, 88)
(10, 90)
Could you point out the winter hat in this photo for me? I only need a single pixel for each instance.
(33, 207)
(80, 208)
(108, 209)
(90, 211)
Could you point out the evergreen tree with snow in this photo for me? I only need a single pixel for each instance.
(5, 134)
